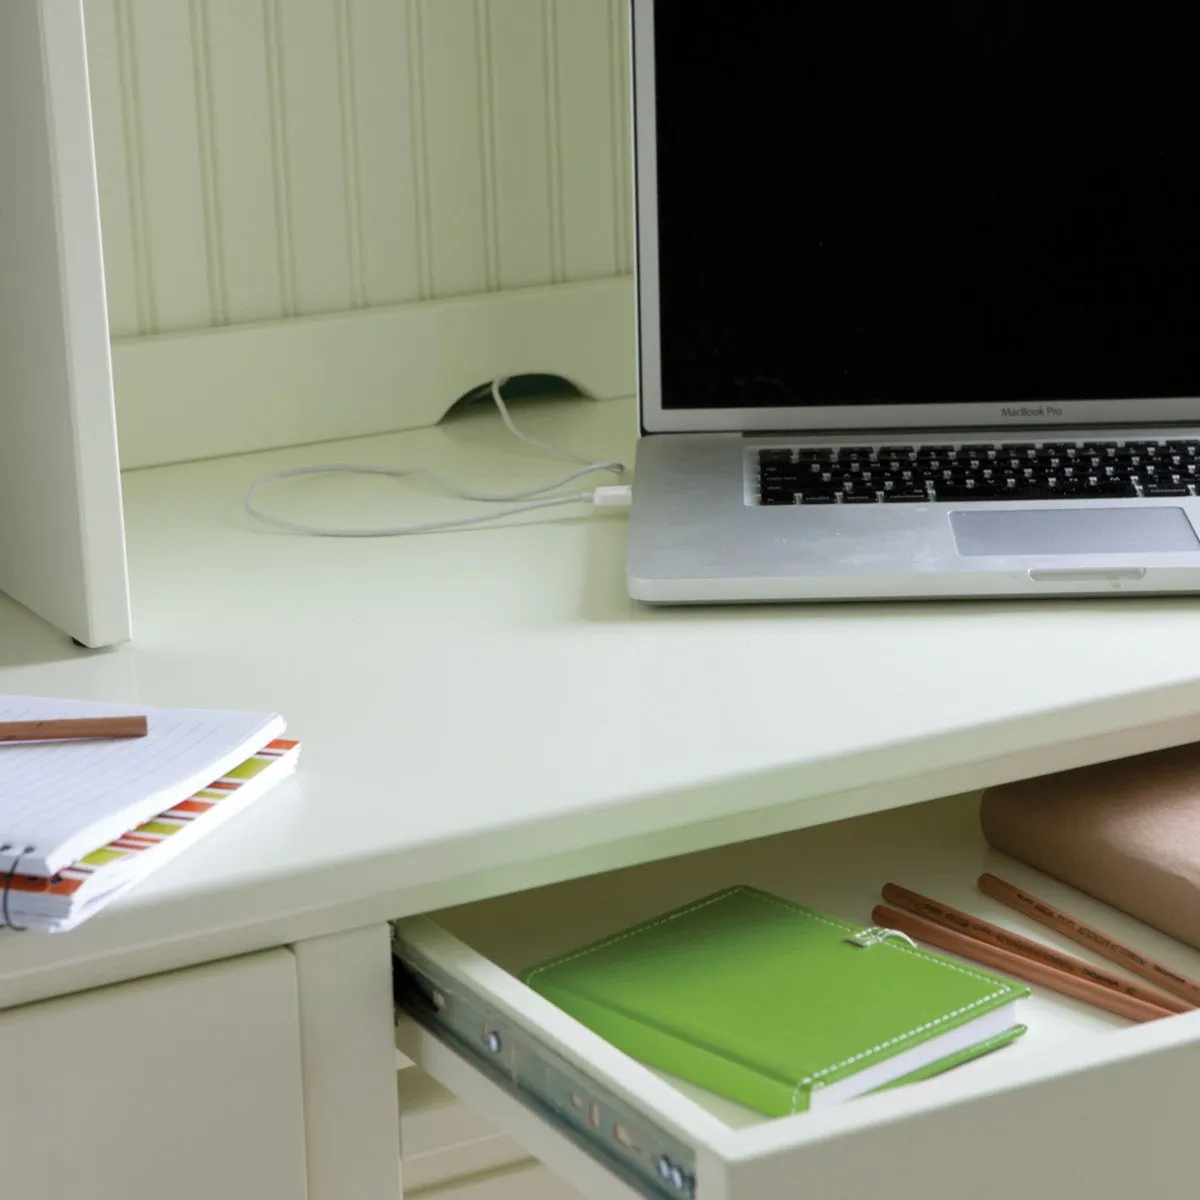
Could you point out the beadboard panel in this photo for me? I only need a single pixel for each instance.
(246, 189)
(267, 159)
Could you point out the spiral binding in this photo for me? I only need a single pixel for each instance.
(8, 882)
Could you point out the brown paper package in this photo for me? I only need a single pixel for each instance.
(1127, 832)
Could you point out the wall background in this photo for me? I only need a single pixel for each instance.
(283, 161)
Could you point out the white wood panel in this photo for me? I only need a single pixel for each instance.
(166, 120)
(183, 1085)
(390, 239)
(552, 66)
(62, 541)
(245, 196)
(529, 1182)
(443, 1139)
(622, 65)
(254, 386)
(347, 1033)
(453, 96)
(115, 171)
(521, 161)
(320, 187)
(586, 47)
(262, 159)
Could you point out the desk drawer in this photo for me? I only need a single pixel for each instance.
(1084, 1104)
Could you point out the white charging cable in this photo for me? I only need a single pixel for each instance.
(601, 497)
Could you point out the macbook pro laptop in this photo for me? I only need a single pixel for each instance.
(919, 299)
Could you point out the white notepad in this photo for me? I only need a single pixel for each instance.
(64, 799)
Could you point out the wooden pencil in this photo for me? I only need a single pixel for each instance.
(1008, 962)
(72, 729)
(1087, 935)
(995, 935)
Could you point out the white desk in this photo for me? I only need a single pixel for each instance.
(484, 712)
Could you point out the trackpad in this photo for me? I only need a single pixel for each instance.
(1135, 529)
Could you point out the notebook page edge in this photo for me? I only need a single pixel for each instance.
(57, 849)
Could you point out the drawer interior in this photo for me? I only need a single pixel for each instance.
(935, 848)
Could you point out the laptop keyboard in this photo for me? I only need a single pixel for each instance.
(914, 474)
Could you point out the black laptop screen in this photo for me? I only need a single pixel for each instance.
(943, 201)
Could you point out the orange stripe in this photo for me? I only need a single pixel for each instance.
(194, 806)
(28, 883)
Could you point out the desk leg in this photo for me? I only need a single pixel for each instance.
(348, 1056)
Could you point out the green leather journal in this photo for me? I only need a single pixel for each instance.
(778, 1007)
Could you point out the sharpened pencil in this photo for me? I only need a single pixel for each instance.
(995, 935)
(1008, 962)
(73, 729)
(1087, 935)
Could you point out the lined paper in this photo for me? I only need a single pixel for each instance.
(66, 798)
(54, 904)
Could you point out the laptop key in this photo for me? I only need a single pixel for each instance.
(975, 493)
(1108, 489)
(1014, 471)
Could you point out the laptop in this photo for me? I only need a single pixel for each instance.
(918, 300)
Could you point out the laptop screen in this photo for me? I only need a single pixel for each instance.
(928, 203)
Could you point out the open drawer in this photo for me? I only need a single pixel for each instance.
(1086, 1104)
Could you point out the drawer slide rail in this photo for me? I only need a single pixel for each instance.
(650, 1160)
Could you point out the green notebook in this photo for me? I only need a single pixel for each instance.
(778, 1007)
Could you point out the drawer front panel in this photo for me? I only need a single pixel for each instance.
(1126, 1129)
(185, 1085)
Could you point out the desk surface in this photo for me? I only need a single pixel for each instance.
(486, 711)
